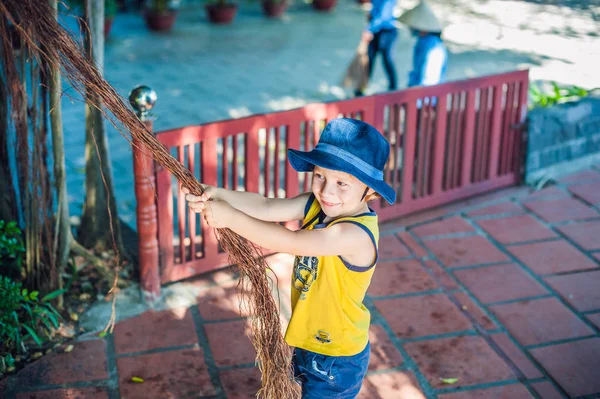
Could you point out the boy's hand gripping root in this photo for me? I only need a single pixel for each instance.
(216, 213)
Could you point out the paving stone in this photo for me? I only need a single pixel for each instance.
(422, 315)
(390, 247)
(594, 318)
(539, 321)
(573, 365)
(241, 383)
(67, 393)
(581, 289)
(516, 229)
(410, 242)
(590, 192)
(512, 391)
(546, 390)
(384, 354)
(400, 277)
(468, 358)
(578, 177)
(499, 283)
(465, 251)
(504, 207)
(468, 306)
(454, 224)
(220, 303)
(529, 370)
(552, 192)
(441, 275)
(552, 257)
(391, 384)
(585, 234)
(171, 374)
(86, 362)
(561, 210)
(162, 329)
(229, 343)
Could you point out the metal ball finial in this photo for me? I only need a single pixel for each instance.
(142, 98)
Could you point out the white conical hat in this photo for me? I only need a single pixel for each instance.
(421, 18)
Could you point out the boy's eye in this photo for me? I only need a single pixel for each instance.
(318, 175)
(342, 184)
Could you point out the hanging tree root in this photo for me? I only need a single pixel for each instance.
(36, 24)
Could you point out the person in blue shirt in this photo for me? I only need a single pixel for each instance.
(381, 33)
(430, 56)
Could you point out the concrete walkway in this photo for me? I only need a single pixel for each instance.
(204, 72)
(499, 292)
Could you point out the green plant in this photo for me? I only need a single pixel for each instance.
(163, 6)
(23, 315)
(110, 7)
(11, 249)
(558, 95)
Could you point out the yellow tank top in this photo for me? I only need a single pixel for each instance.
(328, 314)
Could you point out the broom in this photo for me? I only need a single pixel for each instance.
(357, 73)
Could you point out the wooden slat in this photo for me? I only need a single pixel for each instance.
(209, 176)
(505, 152)
(235, 163)
(267, 162)
(495, 132)
(181, 211)
(468, 136)
(276, 163)
(292, 138)
(439, 146)
(191, 214)
(409, 152)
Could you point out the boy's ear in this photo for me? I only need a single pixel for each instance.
(372, 195)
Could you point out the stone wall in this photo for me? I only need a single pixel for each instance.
(562, 138)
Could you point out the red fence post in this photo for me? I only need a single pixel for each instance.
(142, 98)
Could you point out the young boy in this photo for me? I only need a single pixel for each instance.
(336, 250)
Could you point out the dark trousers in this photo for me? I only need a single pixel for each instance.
(383, 42)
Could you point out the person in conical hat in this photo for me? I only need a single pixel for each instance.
(430, 56)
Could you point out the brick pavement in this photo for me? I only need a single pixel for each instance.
(500, 292)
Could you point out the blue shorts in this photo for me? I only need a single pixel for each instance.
(330, 377)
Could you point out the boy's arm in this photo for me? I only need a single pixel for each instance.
(256, 205)
(343, 239)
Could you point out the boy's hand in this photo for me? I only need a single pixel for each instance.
(218, 214)
(197, 202)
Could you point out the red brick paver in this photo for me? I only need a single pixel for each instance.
(510, 309)
(573, 365)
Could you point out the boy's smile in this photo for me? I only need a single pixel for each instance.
(339, 193)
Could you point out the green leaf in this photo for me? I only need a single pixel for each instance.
(33, 295)
(33, 335)
(137, 379)
(102, 334)
(51, 316)
(449, 380)
(53, 295)
(24, 292)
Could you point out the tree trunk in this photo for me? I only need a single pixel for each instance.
(100, 219)
(8, 210)
(62, 230)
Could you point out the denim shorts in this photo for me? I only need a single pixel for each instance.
(330, 377)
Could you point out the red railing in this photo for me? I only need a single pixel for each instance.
(448, 142)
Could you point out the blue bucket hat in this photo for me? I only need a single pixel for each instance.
(351, 146)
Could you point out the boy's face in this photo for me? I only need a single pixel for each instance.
(338, 193)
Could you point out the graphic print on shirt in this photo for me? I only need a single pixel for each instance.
(305, 273)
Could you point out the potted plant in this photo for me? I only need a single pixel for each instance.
(110, 10)
(324, 5)
(274, 8)
(220, 11)
(160, 15)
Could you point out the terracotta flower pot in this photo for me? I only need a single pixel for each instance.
(158, 21)
(108, 22)
(274, 9)
(221, 13)
(324, 5)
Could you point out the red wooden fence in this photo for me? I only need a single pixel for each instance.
(448, 142)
